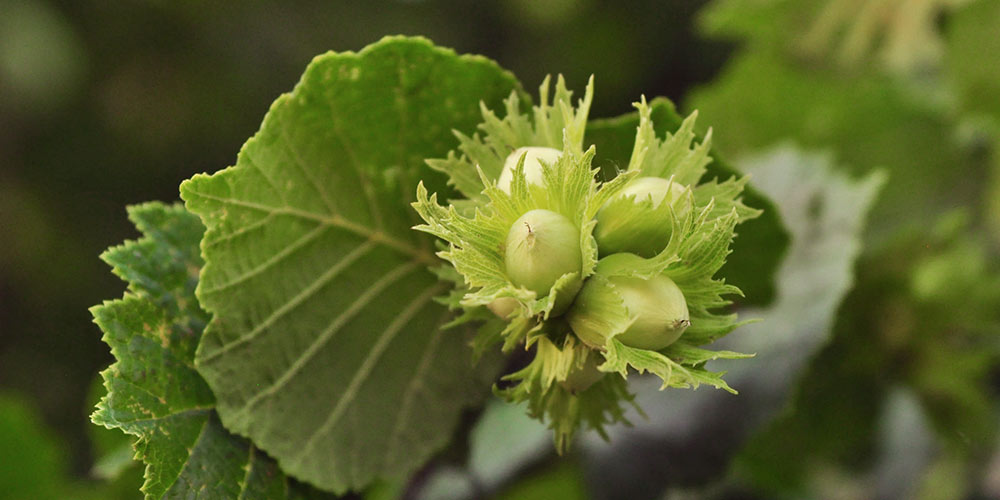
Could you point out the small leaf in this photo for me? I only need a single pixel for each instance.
(619, 357)
(566, 411)
(154, 392)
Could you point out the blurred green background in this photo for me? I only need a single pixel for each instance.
(105, 104)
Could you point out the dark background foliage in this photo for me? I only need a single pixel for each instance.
(105, 104)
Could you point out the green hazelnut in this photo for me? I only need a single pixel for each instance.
(654, 188)
(532, 167)
(503, 307)
(656, 308)
(542, 246)
(631, 228)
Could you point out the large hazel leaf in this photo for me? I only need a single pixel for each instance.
(154, 392)
(325, 346)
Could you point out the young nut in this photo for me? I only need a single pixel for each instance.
(542, 246)
(503, 307)
(656, 307)
(632, 230)
(532, 168)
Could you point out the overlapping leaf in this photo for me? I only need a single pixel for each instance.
(326, 347)
(154, 391)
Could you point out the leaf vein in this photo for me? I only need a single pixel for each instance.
(366, 183)
(270, 183)
(416, 383)
(295, 301)
(367, 366)
(187, 461)
(259, 223)
(246, 478)
(298, 244)
(328, 333)
(333, 220)
(181, 413)
(139, 388)
(297, 157)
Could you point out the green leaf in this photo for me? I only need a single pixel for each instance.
(326, 346)
(564, 480)
(972, 48)
(898, 37)
(112, 449)
(826, 212)
(154, 392)
(33, 460)
(868, 116)
(930, 297)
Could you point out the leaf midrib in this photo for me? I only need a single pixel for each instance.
(377, 236)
